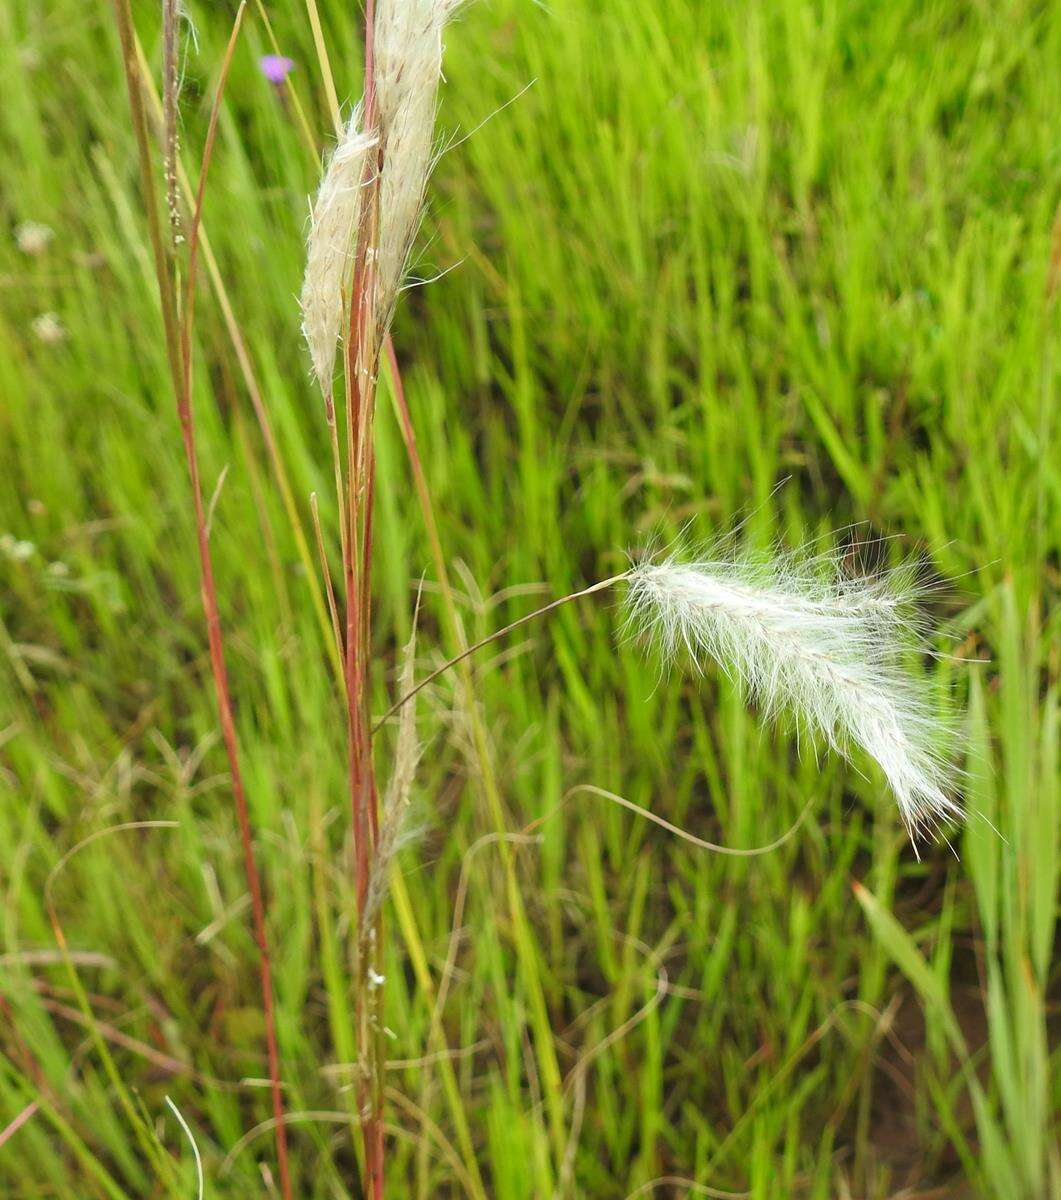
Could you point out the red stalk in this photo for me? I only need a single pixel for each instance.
(216, 642)
(178, 331)
(355, 500)
(360, 362)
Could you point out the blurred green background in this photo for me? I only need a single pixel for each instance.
(786, 262)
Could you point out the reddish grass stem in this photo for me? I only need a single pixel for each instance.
(362, 352)
(178, 330)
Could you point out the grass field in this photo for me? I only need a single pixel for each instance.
(790, 263)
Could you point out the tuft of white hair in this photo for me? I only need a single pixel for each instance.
(335, 220)
(801, 638)
(408, 61)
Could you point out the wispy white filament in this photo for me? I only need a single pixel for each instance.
(199, 1179)
(329, 251)
(408, 49)
(394, 829)
(802, 639)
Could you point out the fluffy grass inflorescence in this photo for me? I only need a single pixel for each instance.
(335, 220)
(408, 43)
(408, 69)
(802, 638)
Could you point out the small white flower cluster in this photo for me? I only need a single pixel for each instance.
(49, 328)
(33, 238)
(19, 550)
(16, 549)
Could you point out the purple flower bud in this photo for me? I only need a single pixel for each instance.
(276, 67)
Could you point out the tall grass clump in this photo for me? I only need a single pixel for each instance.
(365, 220)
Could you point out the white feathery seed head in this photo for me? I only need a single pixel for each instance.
(801, 638)
(408, 50)
(334, 224)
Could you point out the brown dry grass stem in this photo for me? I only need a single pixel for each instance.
(178, 323)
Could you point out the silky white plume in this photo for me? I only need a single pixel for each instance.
(329, 252)
(801, 638)
(408, 49)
